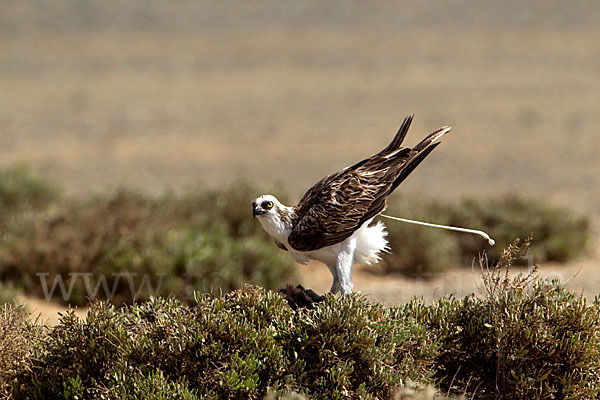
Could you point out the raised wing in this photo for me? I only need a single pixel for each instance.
(336, 206)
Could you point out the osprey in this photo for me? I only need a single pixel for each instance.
(332, 221)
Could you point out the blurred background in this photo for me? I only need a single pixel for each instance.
(160, 96)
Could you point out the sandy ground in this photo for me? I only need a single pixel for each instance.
(579, 277)
(47, 312)
(154, 97)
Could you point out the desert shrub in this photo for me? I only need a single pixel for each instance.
(558, 234)
(125, 246)
(153, 385)
(211, 260)
(416, 347)
(21, 188)
(8, 293)
(416, 250)
(350, 348)
(17, 334)
(75, 355)
(241, 354)
(525, 339)
(243, 345)
(74, 240)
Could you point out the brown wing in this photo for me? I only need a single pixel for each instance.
(336, 206)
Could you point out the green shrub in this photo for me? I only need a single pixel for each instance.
(211, 261)
(8, 293)
(558, 234)
(75, 238)
(127, 247)
(244, 345)
(21, 188)
(522, 339)
(151, 386)
(419, 251)
(525, 339)
(352, 348)
(74, 356)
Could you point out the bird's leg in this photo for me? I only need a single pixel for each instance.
(345, 266)
(335, 286)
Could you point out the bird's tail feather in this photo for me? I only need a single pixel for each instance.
(432, 138)
(400, 135)
(422, 150)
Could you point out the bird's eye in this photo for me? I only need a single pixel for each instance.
(270, 204)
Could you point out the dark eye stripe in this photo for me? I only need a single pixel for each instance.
(267, 204)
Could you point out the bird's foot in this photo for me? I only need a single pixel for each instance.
(299, 297)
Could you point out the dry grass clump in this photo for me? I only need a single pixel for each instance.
(525, 338)
(17, 335)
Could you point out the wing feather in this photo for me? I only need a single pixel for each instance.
(336, 206)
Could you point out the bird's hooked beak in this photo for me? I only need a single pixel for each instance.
(256, 210)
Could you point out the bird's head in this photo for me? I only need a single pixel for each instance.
(265, 206)
(274, 217)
